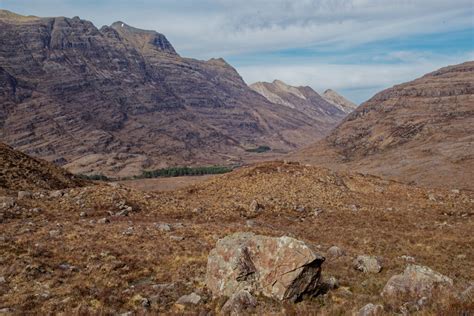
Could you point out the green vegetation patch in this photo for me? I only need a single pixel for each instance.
(259, 149)
(185, 171)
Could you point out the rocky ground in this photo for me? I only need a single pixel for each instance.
(108, 249)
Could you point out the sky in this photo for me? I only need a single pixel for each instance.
(356, 47)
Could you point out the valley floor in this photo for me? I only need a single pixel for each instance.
(107, 248)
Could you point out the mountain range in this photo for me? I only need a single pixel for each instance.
(118, 99)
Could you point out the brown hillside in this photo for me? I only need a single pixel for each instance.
(420, 131)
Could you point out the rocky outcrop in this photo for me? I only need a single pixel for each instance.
(117, 100)
(420, 131)
(281, 268)
(339, 101)
(414, 284)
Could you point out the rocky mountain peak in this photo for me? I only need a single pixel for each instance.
(338, 100)
(143, 39)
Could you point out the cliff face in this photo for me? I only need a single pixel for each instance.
(120, 99)
(420, 131)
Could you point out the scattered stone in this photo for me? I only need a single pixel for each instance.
(24, 195)
(54, 232)
(163, 227)
(198, 210)
(104, 220)
(318, 211)
(56, 194)
(2, 280)
(353, 208)
(415, 283)
(332, 283)
(239, 303)
(178, 225)
(467, 295)
(122, 213)
(368, 264)
(177, 238)
(250, 223)
(190, 299)
(83, 214)
(335, 252)
(255, 207)
(370, 310)
(128, 231)
(5, 310)
(432, 197)
(7, 202)
(408, 258)
(282, 268)
(455, 191)
(300, 208)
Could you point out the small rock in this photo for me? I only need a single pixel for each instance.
(335, 252)
(432, 197)
(455, 191)
(163, 227)
(5, 310)
(368, 264)
(56, 194)
(128, 231)
(104, 220)
(468, 294)
(190, 299)
(177, 238)
(122, 213)
(332, 283)
(255, 207)
(198, 210)
(415, 283)
(2, 280)
(24, 195)
(7, 202)
(353, 208)
(239, 303)
(300, 209)
(83, 214)
(408, 258)
(54, 232)
(250, 223)
(370, 310)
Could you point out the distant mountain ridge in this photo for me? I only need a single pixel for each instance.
(303, 99)
(118, 100)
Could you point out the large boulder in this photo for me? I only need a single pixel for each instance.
(368, 264)
(414, 284)
(283, 268)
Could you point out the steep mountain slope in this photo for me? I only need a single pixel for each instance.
(338, 100)
(21, 172)
(303, 99)
(421, 131)
(120, 99)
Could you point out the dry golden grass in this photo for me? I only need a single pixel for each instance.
(112, 272)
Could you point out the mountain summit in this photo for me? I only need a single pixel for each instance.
(338, 100)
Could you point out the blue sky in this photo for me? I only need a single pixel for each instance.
(357, 47)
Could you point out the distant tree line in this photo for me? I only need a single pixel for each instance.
(185, 171)
(259, 149)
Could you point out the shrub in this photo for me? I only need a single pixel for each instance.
(185, 171)
(259, 149)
